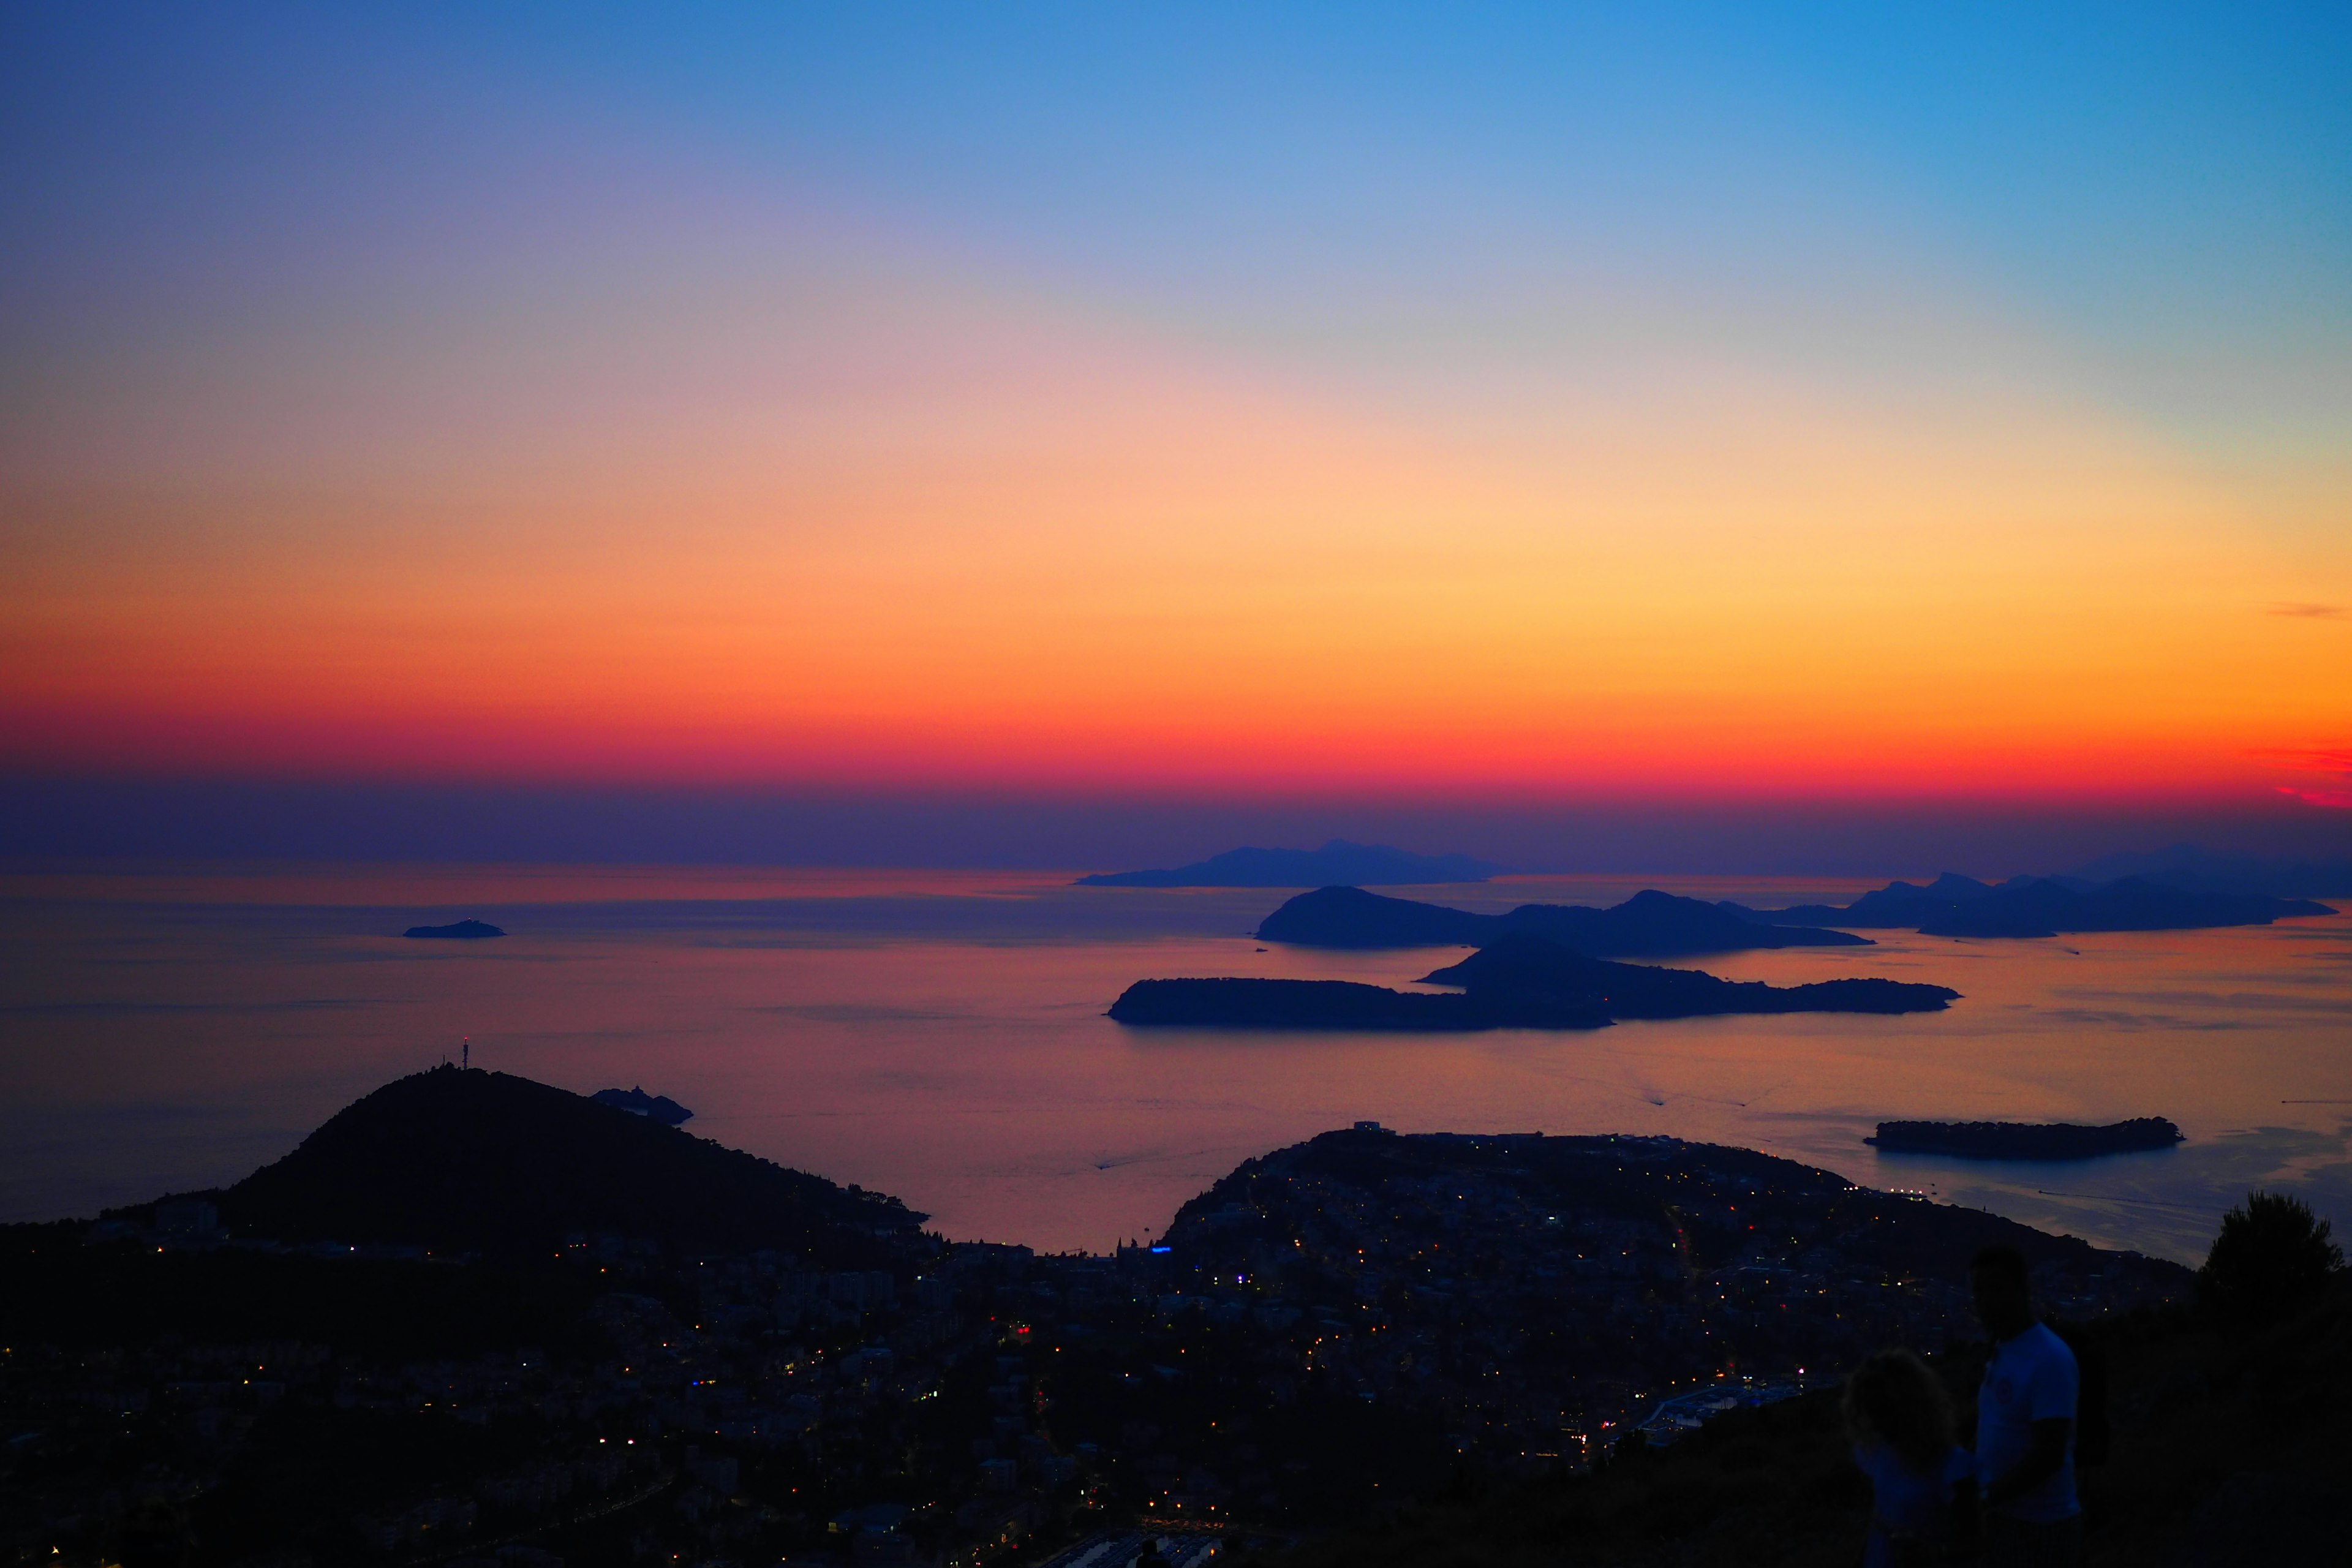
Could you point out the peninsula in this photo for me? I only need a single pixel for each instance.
(2025, 1141)
(1650, 924)
(1521, 983)
(1336, 861)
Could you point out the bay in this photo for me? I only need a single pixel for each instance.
(939, 1034)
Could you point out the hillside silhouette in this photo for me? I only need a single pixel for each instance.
(474, 1161)
(2227, 1447)
(1650, 924)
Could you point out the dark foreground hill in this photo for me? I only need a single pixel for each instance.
(1336, 1326)
(1532, 1297)
(2226, 1447)
(473, 1161)
(1521, 983)
(1618, 1218)
(1336, 861)
(1650, 924)
(1954, 905)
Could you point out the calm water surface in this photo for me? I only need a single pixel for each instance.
(940, 1035)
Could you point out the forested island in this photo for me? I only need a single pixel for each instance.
(1519, 982)
(2025, 1141)
(1650, 924)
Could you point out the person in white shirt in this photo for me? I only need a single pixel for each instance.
(2025, 1423)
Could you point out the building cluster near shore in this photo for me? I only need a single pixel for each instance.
(1336, 1325)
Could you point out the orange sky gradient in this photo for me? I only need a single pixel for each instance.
(778, 491)
(933, 537)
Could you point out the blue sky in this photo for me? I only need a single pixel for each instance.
(2170, 187)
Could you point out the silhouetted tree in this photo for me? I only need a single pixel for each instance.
(2271, 1251)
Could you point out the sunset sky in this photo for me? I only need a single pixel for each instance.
(1514, 404)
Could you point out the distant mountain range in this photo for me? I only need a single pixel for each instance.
(1520, 982)
(1954, 905)
(2212, 871)
(1648, 925)
(463, 930)
(1335, 863)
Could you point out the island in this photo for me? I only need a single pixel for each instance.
(2024, 1140)
(463, 930)
(1247, 1004)
(1957, 906)
(659, 1108)
(1650, 924)
(1336, 861)
(1521, 983)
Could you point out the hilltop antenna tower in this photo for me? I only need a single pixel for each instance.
(465, 1054)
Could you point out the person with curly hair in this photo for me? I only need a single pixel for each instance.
(1922, 1483)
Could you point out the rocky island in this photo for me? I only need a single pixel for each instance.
(2025, 1141)
(1519, 982)
(463, 930)
(1650, 924)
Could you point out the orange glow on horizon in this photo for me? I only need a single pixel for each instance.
(926, 534)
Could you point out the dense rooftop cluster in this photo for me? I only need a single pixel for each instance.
(1536, 1294)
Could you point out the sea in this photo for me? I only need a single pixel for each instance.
(940, 1036)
